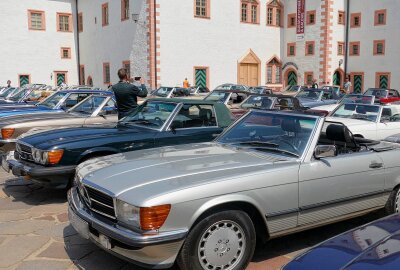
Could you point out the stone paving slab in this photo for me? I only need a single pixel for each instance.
(35, 234)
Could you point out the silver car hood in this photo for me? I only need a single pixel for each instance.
(159, 170)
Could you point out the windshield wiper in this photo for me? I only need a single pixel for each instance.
(258, 143)
(276, 150)
(361, 117)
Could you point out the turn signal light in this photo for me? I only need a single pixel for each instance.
(152, 218)
(6, 133)
(54, 156)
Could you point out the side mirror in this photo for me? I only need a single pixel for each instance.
(325, 151)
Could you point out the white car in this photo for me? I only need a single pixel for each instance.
(374, 122)
(350, 98)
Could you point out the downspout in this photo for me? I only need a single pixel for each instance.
(155, 43)
(346, 46)
(78, 60)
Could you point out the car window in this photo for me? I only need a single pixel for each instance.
(74, 99)
(357, 111)
(257, 102)
(284, 103)
(53, 100)
(191, 116)
(393, 93)
(89, 105)
(203, 90)
(110, 107)
(152, 114)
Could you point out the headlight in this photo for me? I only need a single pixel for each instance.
(128, 214)
(51, 157)
(7, 133)
(145, 218)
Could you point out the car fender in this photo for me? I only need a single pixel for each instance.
(95, 150)
(224, 199)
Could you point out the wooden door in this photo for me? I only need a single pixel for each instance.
(248, 74)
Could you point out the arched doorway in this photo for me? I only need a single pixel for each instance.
(338, 77)
(291, 77)
(249, 69)
(89, 81)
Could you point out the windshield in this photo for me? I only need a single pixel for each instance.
(257, 102)
(292, 88)
(224, 86)
(18, 95)
(152, 114)
(8, 92)
(89, 105)
(354, 98)
(311, 94)
(53, 100)
(358, 111)
(219, 96)
(283, 134)
(377, 92)
(162, 91)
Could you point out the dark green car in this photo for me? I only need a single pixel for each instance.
(50, 157)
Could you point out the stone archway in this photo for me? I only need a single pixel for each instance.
(338, 77)
(249, 69)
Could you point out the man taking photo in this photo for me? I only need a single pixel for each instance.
(126, 94)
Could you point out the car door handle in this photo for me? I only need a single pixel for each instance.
(375, 165)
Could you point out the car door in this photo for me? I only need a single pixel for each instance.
(337, 186)
(192, 124)
(389, 123)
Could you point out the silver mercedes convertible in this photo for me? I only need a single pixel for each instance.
(206, 205)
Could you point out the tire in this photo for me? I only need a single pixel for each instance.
(234, 251)
(393, 203)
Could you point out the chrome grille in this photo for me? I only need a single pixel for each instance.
(98, 201)
(24, 151)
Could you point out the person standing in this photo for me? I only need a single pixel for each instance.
(347, 85)
(315, 84)
(186, 83)
(126, 94)
(8, 83)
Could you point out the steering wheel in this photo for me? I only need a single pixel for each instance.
(159, 121)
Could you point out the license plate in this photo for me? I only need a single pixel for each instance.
(105, 241)
(81, 226)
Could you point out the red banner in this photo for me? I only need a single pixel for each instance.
(301, 8)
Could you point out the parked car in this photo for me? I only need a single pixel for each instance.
(231, 86)
(227, 97)
(373, 246)
(292, 90)
(8, 92)
(268, 175)
(383, 95)
(310, 98)
(156, 123)
(349, 98)
(267, 102)
(369, 121)
(60, 101)
(261, 90)
(97, 109)
(26, 96)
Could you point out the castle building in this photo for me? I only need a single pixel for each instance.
(254, 42)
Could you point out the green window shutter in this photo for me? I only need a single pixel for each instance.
(23, 79)
(60, 78)
(358, 83)
(383, 81)
(201, 77)
(292, 78)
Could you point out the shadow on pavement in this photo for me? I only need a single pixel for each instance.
(306, 239)
(20, 190)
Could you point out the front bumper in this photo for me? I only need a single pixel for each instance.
(57, 177)
(156, 251)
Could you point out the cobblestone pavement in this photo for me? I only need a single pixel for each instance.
(35, 234)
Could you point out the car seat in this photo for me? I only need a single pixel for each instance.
(342, 138)
(205, 116)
